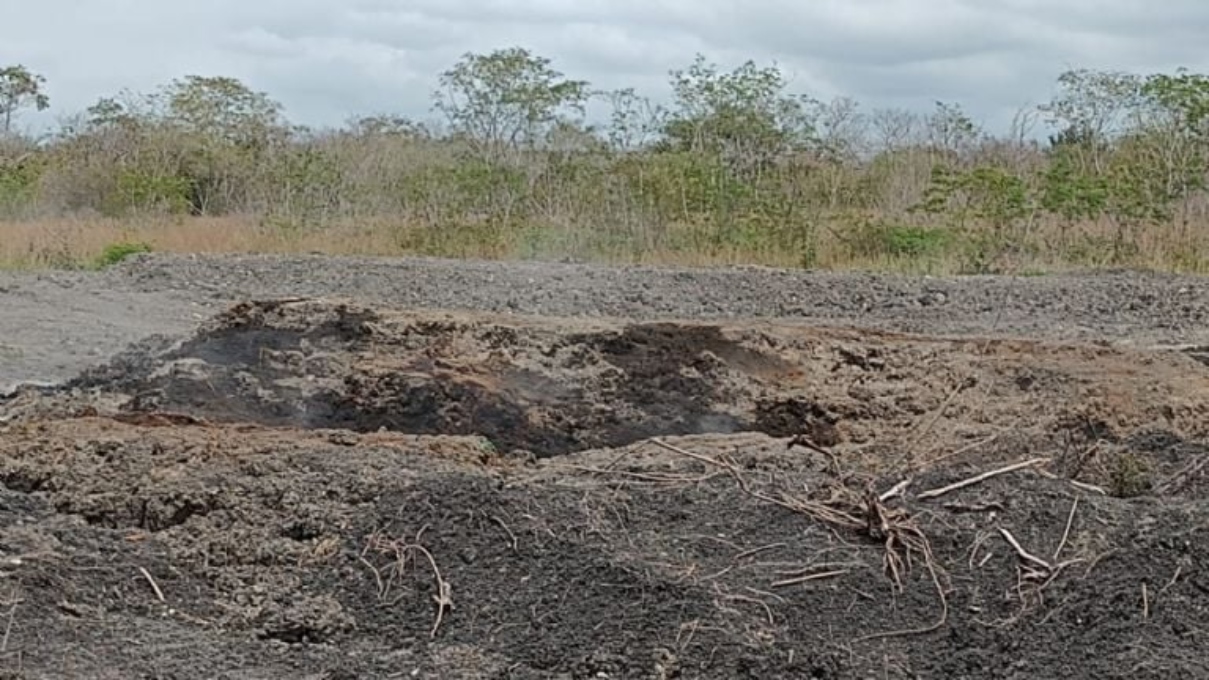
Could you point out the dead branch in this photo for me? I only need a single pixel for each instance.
(933, 493)
(965, 449)
(756, 551)
(896, 490)
(154, 586)
(1180, 479)
(1070, 519)
(1022, 553)
(981, 537)
(377, 576)
(744, 598)
(8, 627)
(507, 530)
(804, 442)
(808, 577)
(894, 529)
(822, 566)
(944, 609)
(643, 476)
(402, 551)
(764, 593)
(730, 469)
(1174, 578)
(443, 598)
(993, 506)
(1099, 558)
(1083, 486)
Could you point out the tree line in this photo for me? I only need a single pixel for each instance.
(733, 162)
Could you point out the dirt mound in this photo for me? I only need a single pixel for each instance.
(316, 489)
(536, 387)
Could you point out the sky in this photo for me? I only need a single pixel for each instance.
(329, 60)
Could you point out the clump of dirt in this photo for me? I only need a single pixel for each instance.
(317, 489)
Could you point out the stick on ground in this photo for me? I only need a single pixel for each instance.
(809, 577)
(1024, 554)
(1070, 519)
(154, 586)
(933, 493)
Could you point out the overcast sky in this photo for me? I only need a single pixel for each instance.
(326, 60)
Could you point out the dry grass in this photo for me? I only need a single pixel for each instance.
(64, 242)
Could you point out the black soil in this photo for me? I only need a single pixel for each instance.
(321, 490)
(343, 367)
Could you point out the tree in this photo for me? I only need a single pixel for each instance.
(223, 108)
(20, 88)
(1173, 135)
(634, 120)
(843, 129)
(1089, 110)
(506, 100)
(385, 125)
(894, 128)
(744, 115)
(1182, 100)
(125, 110)
(950, 130)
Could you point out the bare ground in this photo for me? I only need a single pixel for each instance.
(434, 469)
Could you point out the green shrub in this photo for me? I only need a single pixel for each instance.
(916, 241)
(1129, 476)
(116, 252)
(138, 191)
(874, 238)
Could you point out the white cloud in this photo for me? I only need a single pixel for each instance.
(328, 60)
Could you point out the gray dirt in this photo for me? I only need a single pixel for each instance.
(52, 325)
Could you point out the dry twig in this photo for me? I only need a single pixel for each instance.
(1179, 480)
(642, 476)
(1070, 519)
(898, 534)
(756, 551)
(1174, 579)
(965, 449)
(1022, 553)
(1034, 569)
(514, 543)
(808, 577)
(993, 506)
(402, 551)
(8, 627)
(804, 442)
(933, 493)
(154, 586)
(896, 490)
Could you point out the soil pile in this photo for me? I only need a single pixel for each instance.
(317, 489)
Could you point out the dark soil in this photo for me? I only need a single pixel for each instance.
(324, 489)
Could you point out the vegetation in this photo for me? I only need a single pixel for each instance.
(116, 252)
(734, 168)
